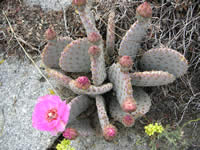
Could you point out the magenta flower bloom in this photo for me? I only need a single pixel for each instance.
(50, 114)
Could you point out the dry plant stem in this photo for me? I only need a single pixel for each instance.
(29, 57)
(115, 26)
(26, 43)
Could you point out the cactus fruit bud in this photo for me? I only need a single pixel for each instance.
(109, 132)
(94, 37)
(70, 133)
(126, 63)
(79, 2)
(128, 120)
(82, 82)
(50, 34)
(129, 105)
(94, 50)
(144, 10)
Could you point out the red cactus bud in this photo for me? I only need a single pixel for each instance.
(144, 10)
(109, 132)
(50, 34)
(128, 120)
(126, 61)
(94, 37)
(82, 82)
(129, 105)
(70, 133)
(79, 2)
(94, 50)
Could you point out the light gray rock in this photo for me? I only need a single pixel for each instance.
(20, 87)
(49, 4)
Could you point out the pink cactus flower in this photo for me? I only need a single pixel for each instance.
(50, 114)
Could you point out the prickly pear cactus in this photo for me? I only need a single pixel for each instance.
(160, 66)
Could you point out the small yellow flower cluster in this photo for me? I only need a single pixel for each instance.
(64, 145)
(151, 129)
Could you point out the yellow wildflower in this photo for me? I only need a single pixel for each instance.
(51, 92)
(151, 129)
(64, 145)
(159, 128)
(1, 61)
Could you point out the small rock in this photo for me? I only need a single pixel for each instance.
(49, 4)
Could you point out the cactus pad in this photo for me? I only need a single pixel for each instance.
(78, 105)
(143, 102)
(60, 77)
(52, 51)
(87, 19)
(92, 90)
(75, 57)
(122, 85)
(110, 37)
(131, 41)
(151, 78)
(117, 114)
(109, 131)
(97, 66)
(82, 126)
(164, 59)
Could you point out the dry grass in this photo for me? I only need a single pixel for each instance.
(175, 24)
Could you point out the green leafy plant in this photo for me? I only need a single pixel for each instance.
(165, 138)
